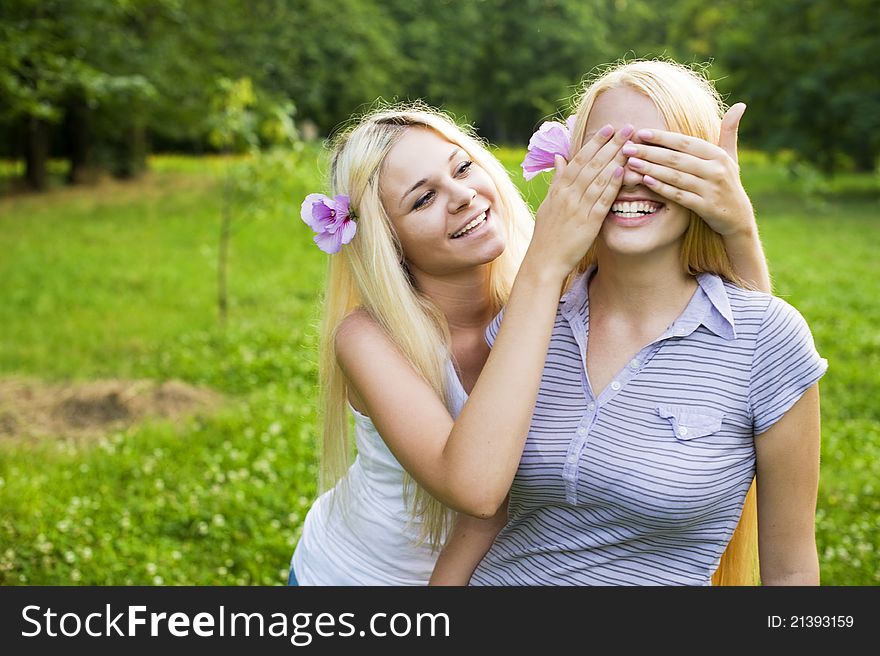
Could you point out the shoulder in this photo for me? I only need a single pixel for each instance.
(357, 334)
(747, 300)
(763, 312)
(355, 323)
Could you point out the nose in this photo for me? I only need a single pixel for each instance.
(631, 178)
(460, 197)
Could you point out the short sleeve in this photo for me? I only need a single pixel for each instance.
(492, 330)
(785, 365)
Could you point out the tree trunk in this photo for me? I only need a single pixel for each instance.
(865, 158)
(79, 124)
(223, 251)
(132, 160)
(36, 153)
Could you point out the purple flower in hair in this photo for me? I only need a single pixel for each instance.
(331, 218)
(551, 139)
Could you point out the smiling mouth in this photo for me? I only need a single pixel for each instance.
(472, 225)
(634, 209)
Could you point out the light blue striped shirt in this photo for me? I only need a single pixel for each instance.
(645, 484)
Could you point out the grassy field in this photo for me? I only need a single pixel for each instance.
(118, 282)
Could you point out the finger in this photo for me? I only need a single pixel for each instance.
(671, 158)
(683, 197)
(593, 190)
(680, 142)
(588, 152)
(673, 176)
(590, 169)
(608, 195)
(598, 151)
(730, 129)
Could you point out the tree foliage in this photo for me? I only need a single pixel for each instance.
(100, 80)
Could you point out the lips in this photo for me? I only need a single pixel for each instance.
(472, 224)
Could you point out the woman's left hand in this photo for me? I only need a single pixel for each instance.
(694, 173)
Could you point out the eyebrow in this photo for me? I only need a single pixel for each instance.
(424, 180)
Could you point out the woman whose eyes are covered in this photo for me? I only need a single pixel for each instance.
(430, 238)
(668, 388)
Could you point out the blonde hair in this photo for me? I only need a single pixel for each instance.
(689, 104)
(370, 273)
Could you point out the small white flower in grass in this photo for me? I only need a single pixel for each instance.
(152, 568)
(69, 556)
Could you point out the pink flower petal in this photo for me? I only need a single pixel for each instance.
(317, 212)
(551, 139)
(329, 242)
(348, 230)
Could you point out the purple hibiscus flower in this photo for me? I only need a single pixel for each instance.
(551, 139)
(331, 219)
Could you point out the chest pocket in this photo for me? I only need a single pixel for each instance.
(690, 422)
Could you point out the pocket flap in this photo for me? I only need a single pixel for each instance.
(689, 422)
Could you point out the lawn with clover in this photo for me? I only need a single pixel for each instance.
(142, 442)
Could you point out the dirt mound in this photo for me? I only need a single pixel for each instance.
(30, 408)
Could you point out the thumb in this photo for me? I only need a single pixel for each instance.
(730, 129)
(558, 165)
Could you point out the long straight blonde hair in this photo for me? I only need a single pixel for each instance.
(691, 105)
(370, 273)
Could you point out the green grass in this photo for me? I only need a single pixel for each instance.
(118, 281)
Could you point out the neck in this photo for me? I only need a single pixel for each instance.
(463, 297)
(643, 287)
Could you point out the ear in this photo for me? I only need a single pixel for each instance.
(730, 129)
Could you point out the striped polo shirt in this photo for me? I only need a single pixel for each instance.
(644, 484)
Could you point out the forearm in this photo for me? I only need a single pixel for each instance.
(747, 257)
(469, 542)
(484, 447)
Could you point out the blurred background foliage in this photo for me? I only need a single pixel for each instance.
(102, 83)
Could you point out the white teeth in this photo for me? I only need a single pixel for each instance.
(633, 209)
(476, 221)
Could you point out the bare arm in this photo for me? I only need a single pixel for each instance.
(467, 544)
(787, 483)
(705, 178)
(469, 464)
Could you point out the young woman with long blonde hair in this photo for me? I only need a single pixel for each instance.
(669, 387)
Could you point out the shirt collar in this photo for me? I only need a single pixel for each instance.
(709, 306)
(717, 315)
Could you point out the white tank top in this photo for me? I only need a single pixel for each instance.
(368, 536)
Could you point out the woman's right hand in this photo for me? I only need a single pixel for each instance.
(578, 201)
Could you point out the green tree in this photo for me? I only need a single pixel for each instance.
(53, 58)
(808, 71)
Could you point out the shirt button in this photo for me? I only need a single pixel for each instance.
(682, 431)
(582, 431)
(615, 386)
(591, 407)
(572, 458)
(634, 364)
